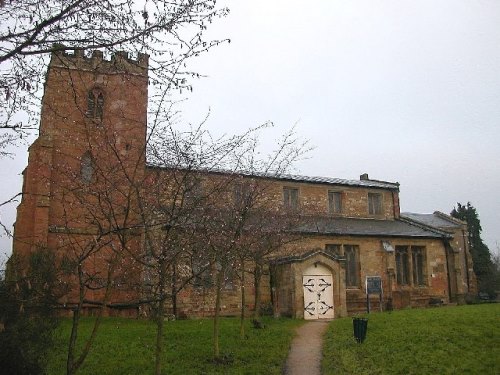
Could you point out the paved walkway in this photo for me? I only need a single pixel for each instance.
(304, 357)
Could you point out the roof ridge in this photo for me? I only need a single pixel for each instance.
(288, 177)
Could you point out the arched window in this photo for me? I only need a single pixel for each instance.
(87, 168)
(95, 104)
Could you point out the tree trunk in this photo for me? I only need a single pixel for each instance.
(174, 289)
(72, 342)
(72, 365)
(243, 301)
(220, 278)
(257, 278)
(159, 319)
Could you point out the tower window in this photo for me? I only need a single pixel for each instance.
(95, 104)
(87, 168)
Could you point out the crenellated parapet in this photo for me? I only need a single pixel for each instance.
(120, 62)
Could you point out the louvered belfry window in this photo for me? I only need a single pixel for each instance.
(95, 104)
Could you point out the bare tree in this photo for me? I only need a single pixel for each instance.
(174, 211)
(244, 219)
(169, 31)
(99, 228)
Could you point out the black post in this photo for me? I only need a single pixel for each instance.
(360, 327)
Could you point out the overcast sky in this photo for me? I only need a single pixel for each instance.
(406, 91)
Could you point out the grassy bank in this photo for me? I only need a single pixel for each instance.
(448, 340)
(126, 346)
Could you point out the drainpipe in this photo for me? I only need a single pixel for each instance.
(466, 261)
(394, 205)
(446, 247)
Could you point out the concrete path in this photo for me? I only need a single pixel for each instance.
(305, 355)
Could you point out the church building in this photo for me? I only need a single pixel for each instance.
(353, 246)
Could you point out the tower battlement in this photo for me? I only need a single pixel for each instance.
(120, 62)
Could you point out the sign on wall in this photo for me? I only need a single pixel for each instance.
(373, 285)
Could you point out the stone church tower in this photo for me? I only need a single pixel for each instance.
(81, 183)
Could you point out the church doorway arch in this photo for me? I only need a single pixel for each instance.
(317, 282)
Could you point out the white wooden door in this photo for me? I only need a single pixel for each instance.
(318, 297)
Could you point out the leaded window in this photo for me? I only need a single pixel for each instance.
(291, 198)
(333, 249)
(418, 263)
(402, 268)
(202, 273)
(351, 254)
(242, 195)
(374, 203)
(334, 202)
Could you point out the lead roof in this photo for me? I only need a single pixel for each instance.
(366, 227)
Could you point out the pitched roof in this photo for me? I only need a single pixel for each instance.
(292, 177)
(337, 181)
(436, 220)
(367, 227)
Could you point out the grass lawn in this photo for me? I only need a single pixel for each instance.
(126, 346)
(448, 340)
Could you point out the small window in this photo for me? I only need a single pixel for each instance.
(291, 198)
(242, 195)
(374, 204)
(193, 192)
(334, 202)
(87, 168)
(95, 104)
(402, 275)
(418, 263)
(351, 254)
(202, 274)
(332, 249)
(229, 278)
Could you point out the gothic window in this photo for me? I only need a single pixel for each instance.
(351, 254)
(418, 263)
(95, 104)
(87, 168)
(402, 268)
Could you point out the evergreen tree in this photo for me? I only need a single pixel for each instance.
(481, 257)
(28, 316)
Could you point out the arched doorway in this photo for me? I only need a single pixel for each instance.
(317, 282)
